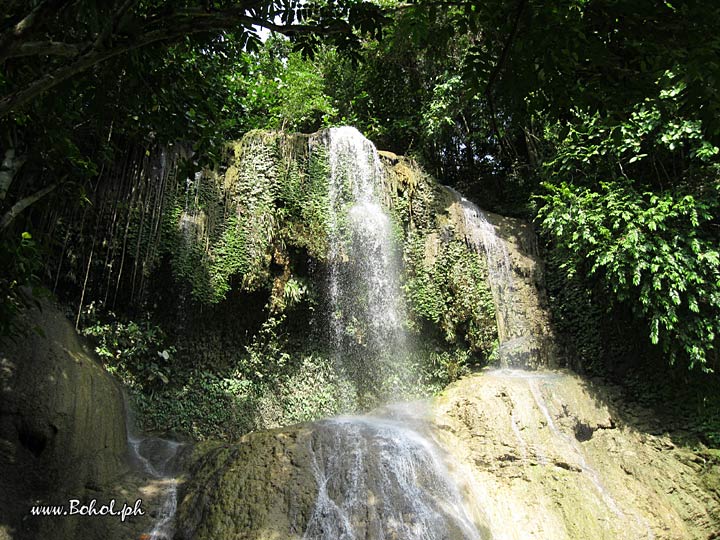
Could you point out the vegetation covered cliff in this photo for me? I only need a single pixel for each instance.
(230, 266)
(224, 267)
(598, 120)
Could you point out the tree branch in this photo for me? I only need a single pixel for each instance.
(10, 38)
(506, 48)
(173, 27)
(47, 48)
(22, 204)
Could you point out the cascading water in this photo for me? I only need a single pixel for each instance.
(155, 456)
(363, 290)
(519, 345)
(388, 481)
(378, 476)
(505, 454)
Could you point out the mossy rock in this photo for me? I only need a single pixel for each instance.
(261, 488)
(62, 423)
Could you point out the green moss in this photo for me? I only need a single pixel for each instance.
(447, 286)
(446, 281)
(270, 195)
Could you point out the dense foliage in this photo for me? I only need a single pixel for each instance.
(451, 291)
(605, 112)
(650, 251)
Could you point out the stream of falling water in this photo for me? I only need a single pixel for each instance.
(518, 346)
(395, 484)
(366, 323)
(378, 477)
(155, 457)
(382, 476)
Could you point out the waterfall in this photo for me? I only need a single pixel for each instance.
(520, 342)
(506, 454)
(378, 476)
(155, 457)
(389, 481)
(365, 308)
(481, 235)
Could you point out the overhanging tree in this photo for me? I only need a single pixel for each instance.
(45, 43)
(61, 95)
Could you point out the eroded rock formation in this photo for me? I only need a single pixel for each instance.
(62, 434)
(534, 455)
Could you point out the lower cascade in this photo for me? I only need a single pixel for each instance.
(381, 477)
(156, 458)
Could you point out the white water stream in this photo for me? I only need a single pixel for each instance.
(366, 313)
(155, 457)
(378, 477)
(382, 478)
(518, 344)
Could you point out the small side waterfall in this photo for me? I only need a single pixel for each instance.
(481, 234)
(155, 457)
(523, 331)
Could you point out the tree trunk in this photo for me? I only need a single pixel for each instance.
(22, 204)
(10, 166)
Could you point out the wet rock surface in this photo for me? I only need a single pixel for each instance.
(532, 455)
(517, 278)
(364, 477)
(261, 487)
(63, 436)
(545, 456)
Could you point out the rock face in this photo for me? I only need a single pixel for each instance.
(527, 337)
(62, 424)
(363, 477)
(262, 487)
(544, 456)
(532, 454)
